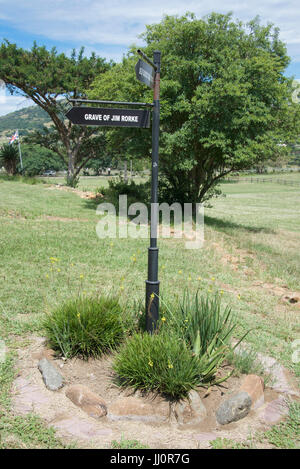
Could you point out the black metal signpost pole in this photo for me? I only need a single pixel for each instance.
(152, 284)
(147, 72)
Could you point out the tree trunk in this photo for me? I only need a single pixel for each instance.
(71, 168)
(125, 171)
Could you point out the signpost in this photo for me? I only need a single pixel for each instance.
(147, 72)
(109, 117)
(152, 283)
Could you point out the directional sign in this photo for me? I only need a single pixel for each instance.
(109, 117)
(145, 73)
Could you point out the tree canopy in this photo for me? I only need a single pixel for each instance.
(225, 102)
(49, 78)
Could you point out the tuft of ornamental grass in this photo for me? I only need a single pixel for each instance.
(159, 363)
(86, 327)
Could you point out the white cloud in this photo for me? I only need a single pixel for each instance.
(118, 22)
(13, 103)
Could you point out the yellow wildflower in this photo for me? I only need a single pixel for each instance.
(81, 276)
(152, 295)
(180, 271)
(163, 319)
(150, 362)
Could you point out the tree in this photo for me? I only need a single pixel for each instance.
(37, 159)
(225, 102)
(9, 158)
(48, 78)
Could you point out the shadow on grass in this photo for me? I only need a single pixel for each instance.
(227, 226)
(216, 223)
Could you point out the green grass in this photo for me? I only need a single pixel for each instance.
(128, 444)
(159, 363)
(90, 183)
(258, 224)
(85, 327)
(286, 434)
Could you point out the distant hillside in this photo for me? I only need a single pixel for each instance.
(25, 120)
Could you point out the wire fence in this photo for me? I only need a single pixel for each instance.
(263, 180)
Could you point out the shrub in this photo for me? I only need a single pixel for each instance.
(206, 330)
(85, 326)
(135, 192)
(206, 325)
(9, 158)
(158, 363)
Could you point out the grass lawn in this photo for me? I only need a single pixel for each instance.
(252, 235)
(89, 183)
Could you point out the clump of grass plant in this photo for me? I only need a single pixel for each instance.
(159, 363)
(207, 330)
(187, 350)
(85, 326)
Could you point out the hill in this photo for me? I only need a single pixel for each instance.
(25, 120)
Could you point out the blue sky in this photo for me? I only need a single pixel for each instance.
(109, 27)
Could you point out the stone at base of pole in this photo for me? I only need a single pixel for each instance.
(152, 305)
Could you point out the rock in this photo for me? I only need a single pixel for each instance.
(254, 386)
(190, 411)
(81, 428)
(89, 402)
(274, 411)
(234, 408)
(28, 397)
(156, 410)
(51, 376)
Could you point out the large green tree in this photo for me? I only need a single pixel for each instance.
(225, 102)
(49, 78)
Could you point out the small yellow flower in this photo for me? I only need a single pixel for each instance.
(111, 245)
(78, 315)
(199, 278)
(170, 364)
(163, 267)
(150, 362)
(180, 271)
(238, 297)
(221, 291)
(213, 279)
(81, 276)
(58, 270)
(72, 265)
(152, 295)
(121, 287)
(47, 276)
(163, 319)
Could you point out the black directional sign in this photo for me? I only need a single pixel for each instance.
(109, 117)
(145, 73)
